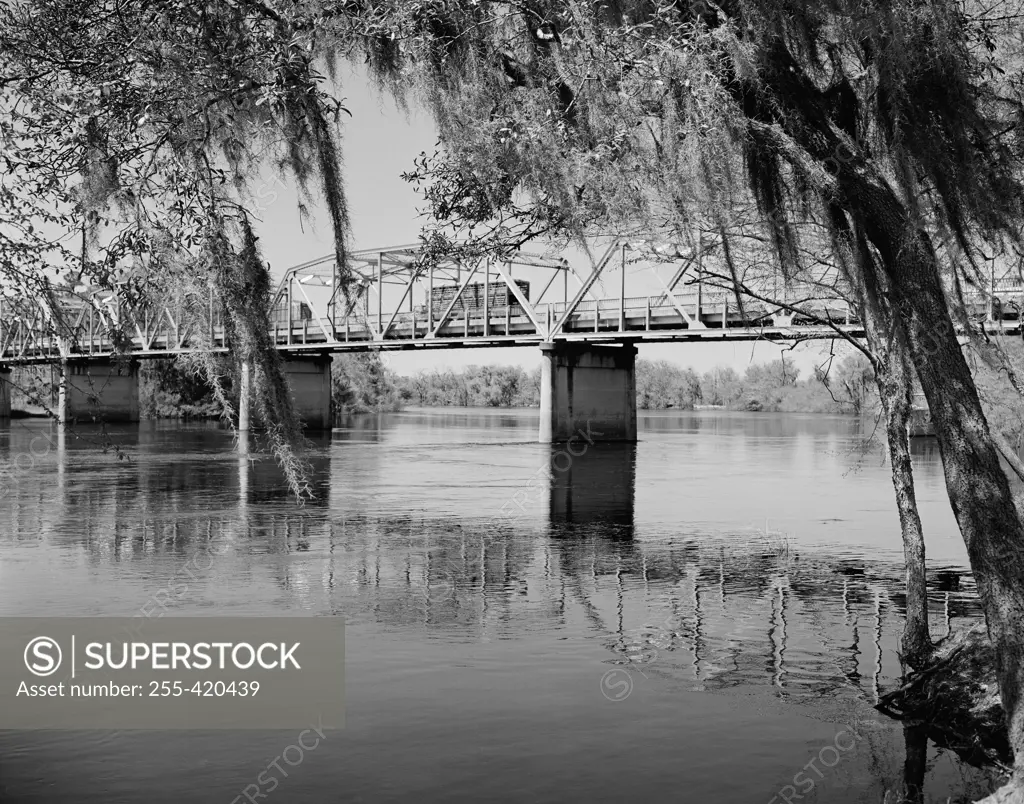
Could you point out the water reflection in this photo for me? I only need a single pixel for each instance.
(244, 471)
(370, 427)
(758, 425)
(915, 744)
(592, 485)
(926, 447)
(470, 639)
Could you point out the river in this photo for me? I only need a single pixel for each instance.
(698, 617)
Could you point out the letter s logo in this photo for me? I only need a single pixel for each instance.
(616, 685)
(43, 656)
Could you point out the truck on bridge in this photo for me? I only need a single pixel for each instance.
(499, 296)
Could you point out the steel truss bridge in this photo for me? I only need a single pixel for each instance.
(398, 300)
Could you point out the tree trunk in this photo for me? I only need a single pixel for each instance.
(894, 389)
(893, 376)
(978, 490)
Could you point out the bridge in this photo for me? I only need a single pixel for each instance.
(587, 323)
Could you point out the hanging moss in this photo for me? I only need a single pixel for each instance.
(143, 137)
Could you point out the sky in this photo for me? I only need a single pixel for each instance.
(379, 143)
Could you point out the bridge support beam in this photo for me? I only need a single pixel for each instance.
(5, 393)
(310, 381)
(98, 391)
(587, 391)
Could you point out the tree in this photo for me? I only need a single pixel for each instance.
(660, 385)
(885, 133)
(133, 137)
(765, 383)
(851, 382)
(890, 129)
(168, 391)
(477, 386)
(720, 385)
(361, 383)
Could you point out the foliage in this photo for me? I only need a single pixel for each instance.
(669, 118)
(721, 386)
(361, 383)
(661, 385)
(851, 382)
(168, 391)
(155, 118)
(883, 138)
(136, 132)
(475, 386)
(31, 388)
(770, 387)
(765, 384)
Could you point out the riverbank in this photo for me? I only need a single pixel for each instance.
(956, 694)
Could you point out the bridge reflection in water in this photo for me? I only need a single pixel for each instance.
(592, 489)
(742, 612)
(157, 500)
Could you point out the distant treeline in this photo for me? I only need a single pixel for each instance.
(474, 386)
(776, 386)
(846, 387)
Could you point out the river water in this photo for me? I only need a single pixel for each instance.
(699, 617)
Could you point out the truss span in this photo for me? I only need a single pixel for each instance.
(398, 299)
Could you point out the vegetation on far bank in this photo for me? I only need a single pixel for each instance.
(776, 386)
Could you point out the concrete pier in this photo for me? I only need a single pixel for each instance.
(98, 391)
(310, 381)
(590, 389)
(5, 393)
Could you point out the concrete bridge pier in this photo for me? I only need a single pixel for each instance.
(310, 381)
(5, 393)
(587, 392)
(103, 390)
